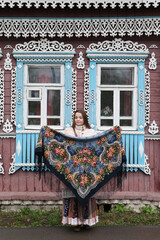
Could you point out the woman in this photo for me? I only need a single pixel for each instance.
(73, 212)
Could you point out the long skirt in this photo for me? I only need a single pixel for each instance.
(75, 214)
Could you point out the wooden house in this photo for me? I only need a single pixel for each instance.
(60, 55)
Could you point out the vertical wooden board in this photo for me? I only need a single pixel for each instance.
(22, 183)
(1, 160)
(47, 183)
(38, 182)
(30, 181)
(6, 160)
(152, 165)
(157, 165)
(55, 183)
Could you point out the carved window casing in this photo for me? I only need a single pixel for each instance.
(32, 95)
(118, 53)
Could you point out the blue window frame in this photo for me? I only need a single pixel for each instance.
(39, 53)
(118, 53)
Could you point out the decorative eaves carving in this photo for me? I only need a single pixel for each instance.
(79, 4)
(79, 27)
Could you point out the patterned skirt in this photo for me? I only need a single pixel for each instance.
(75, 214)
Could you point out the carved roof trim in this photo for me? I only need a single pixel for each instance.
(79, 3)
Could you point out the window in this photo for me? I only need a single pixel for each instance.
(43, 96)
(117, 96)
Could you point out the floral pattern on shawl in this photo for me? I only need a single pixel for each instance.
(83, 164)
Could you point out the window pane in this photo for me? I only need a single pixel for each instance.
(44, 75)
(125, 122)
(33, 108)
(126, 103)
(116, 76)
(34, 121)
(53, 102)
(55, 121)
(34, 94)
(106, 122)
(106, 103)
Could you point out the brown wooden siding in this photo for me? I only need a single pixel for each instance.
(26, 185)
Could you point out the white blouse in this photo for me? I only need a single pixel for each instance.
(81, 131)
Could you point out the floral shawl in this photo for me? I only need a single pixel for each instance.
(83, 164)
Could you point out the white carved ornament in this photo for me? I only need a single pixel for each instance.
(7, 127)
(43, 45)
(13, 96)
(147, 97)
(74, 91)
(1, 96)
(79, 27)
(1, 166)
(117, 45)
(8, 62)
(80, 61)
(153, 62)
(79, 4)
(153, 128)
(44, 50)
(117, 50)
(86, 91)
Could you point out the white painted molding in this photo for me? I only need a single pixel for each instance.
(79, 4)
(79, 27)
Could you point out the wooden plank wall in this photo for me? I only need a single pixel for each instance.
(26, 185)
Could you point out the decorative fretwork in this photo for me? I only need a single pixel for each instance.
(1, 96)
(74, 91)
(117, 51)
(135, 167)
(117, 45)
(153, 62)
(147, 97)
(79, 4)
(80, 61)
(13, 96)
(86, 27)
(86, 91)
(7, 127)
(1, 166)
(8, 62)
(43, 45)
(153, 128)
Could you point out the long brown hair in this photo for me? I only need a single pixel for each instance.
(84, 115)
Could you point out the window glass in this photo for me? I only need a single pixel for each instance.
(126, 103)
(34, 108)
(116, 76)
(44, 74)
(106, 103)
(53, 102)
